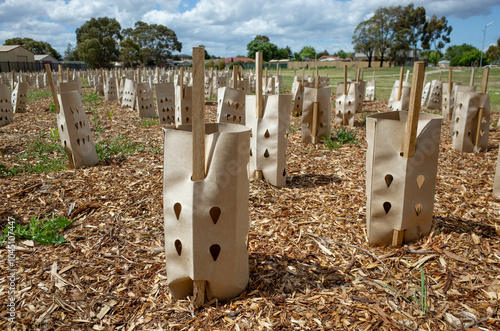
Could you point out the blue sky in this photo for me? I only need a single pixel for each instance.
(232, 24)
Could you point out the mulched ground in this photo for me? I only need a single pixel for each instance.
(310, 264)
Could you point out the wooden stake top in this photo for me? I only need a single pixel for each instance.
(415, 97)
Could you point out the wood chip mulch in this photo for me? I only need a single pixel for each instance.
(310, 265)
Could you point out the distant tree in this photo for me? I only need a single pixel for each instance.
(297, 57)
(284, 53)
(411, 25)
(432, 56)
(462, 55)
(37, 47)
(493, 52)
(221, 64)
(364, 40)
(97, 41)
(324, 53)
(71, 53)
(262, 38)
(383, 25)
(210, 64)
(129, 51)
(436, 33)
(269, 50)
(342, 54)
(308, 52)
(157, 42)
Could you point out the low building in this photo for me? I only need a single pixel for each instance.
(42, 60)
(16, 57)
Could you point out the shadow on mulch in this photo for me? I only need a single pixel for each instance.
(278, 277)
(310, 180)
(449, 224)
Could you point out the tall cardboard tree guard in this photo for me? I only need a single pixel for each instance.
(298, 95)
(110, 90)
(346, 102)
(435, 95)
(370, 89)
(471, 122)
(6, 113)
(165, 102)
(401, 168)
(269, 118)
(129, 93)
(205, 197)
(72, 124)
(145, 101)
(399, 100)
(231, 102)
(18, 97)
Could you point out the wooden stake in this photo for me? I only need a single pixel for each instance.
(415, 98)
(345, 79)
(472, 73)
(61, 73)
(198, 102)
(358, 73)
(181, 82)
(397, 238)
(314, 126)
(480, 111)
(440, 75)
(52, 87)
(265, 82)
(400, 90)
(235, 75)
(450, 83)
(407, 75)
(67, 73)
(258, 86)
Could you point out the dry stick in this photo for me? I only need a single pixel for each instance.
(198, 128)
(314, 126)
(400, 90)
(480, 111)
(472, 73)
(52, 88)
(259, 100)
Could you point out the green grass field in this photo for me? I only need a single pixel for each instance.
(385, 78)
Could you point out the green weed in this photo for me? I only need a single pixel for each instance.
(52, 108)
(149, 121)
(118, 147)
(40, 231)
(37, 94)
(339, 137)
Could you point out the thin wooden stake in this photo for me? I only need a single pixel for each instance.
(235, 75)
(67, 73)
(397, 238)
(259, 100)
(480, 111)
(181, 82)
(358, 73)
(61, 73)
(484, 83)
(415, 98)
(345, 79)
(265, 82)
(400, 90)
(472, 74)
(52, 87)
(450, 83)
(440, 75)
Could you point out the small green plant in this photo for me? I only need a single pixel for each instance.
(98, 129)
(37, 94)
(420, 295)
(91, 97)
(293, 128)
(110, 114)
(40, 231)
(339, 137)
(120, 147)
(149, 121)
(52, 108)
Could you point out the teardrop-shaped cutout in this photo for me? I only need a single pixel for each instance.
(229, 102)
(481, 132)
(178, 246)
(215, 251)
(266, 154)
(177, 210)
(388, 180)
(420, 181)
(387, 206)
(266, 134)
(251, 152)
(418, 208)
(215, 214)
(284, 172)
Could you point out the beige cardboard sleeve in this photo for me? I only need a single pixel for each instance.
(298, 97)
(435, 95)
(465, 121)
(165, 102)
(74, 130)
(458, 89)
(145, 102)
(400, 191)
(18, 97)
(230, 106)
(6, 113)
(346, 105)
(425, 93)
(322, 97)
(402, 104)
(129, 92)
(370, 90)
(448, 100)
(496, 183)
(183, 105)
(269, 137)
(110, 91)
(206, 222)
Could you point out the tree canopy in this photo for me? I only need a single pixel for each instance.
(259, 44)
(462, 55)
(308, 52)
(97, 41)
(37, 47)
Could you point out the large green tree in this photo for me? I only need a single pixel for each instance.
(37, 47)
(493, 52)
(157, 42)
(364, 40)
(97, 41)
(259, 44)
(308, 52)
(462, 55)
(435, 35)
(383, 25)
(411, 25)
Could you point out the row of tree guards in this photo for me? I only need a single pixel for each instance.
(207, 165)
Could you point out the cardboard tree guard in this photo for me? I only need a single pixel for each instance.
(230, 105)
(403, 104)
(458, 89)
(206, 221)
(74, 131)
(6, 113)
(435, 95)
(165, 102)
(18, 97)
(145, 102)
(346, 104)
(183, 104)
(400, 190)
(129, 93)
(269, 137)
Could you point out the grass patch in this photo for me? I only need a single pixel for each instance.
(37, 94)
(44, 232)
(119, 147)
(42, 154)
(149, 121)
(339, 137)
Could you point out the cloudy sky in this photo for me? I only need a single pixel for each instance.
(225, 27)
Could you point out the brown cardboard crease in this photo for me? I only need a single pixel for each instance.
(269, 137)
(206, 222)
(400, 191)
